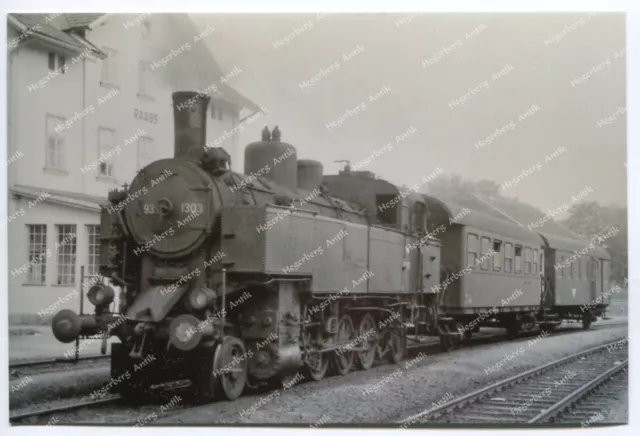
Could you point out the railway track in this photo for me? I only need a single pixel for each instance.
(571, 390)
(43, 411)
(34, 367)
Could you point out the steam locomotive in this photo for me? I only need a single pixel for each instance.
(232, 280)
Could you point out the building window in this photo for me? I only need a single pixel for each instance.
(562, 269)
(37, 254)
(216, 112)
(535, 261)
(518, 256)
(145, 151)
(144, 79)
(527, 260)
(573, 269)
(66, 248)
(93, 232)
(55, 157)
(110, 67)
(472, 249)
(61, 63)
(508, 257)
(497, 258)
(486, 243)
(106, 144)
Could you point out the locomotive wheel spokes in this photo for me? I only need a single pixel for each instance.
(368, 334)
(230, 368)
(343, 357)
(396, 344)
(316, 363)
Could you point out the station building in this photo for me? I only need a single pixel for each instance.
(89, 104)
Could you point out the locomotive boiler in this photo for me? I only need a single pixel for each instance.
(233, 279)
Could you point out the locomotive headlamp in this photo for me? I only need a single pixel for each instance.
(101, 295)
(199, 298)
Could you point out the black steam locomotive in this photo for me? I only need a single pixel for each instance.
(231, 280)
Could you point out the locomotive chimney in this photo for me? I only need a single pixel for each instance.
(190, 124)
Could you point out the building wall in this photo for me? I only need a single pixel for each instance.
(25, 298)
(118, 106)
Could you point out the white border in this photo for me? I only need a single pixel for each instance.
(632, 7)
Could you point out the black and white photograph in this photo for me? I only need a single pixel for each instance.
(317, 221)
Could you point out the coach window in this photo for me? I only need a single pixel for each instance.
(472, 249)
(527, 260)
(561, 271)
(535, 261)
(485, 247)
(508, 256)
(497, 258)
(518, 256)
(580, 273)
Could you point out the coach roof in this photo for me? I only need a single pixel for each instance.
(445, 211)
(555, 235)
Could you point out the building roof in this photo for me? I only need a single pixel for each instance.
(79, 20)
(204, 70)
(72, 199)
(49, 32)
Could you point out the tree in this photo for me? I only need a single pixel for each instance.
(593, 222)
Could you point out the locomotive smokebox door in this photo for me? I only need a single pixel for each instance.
(171, 207)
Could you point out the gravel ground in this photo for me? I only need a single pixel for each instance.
(619, 412)
(387, 393)
(39, 388)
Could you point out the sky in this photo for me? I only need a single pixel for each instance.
(446, 81)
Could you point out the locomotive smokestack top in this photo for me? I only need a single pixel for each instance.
(190, 124)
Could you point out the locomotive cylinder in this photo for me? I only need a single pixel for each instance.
(310, 173)
(272, 159)
(190, 125)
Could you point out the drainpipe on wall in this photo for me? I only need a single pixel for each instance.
(84, 124)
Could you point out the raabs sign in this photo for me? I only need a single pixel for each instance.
(149, 117)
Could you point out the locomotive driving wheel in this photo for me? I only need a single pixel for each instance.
(367, 332)
(343, 358)
(227, 377)
(396, 343)
(316, 363)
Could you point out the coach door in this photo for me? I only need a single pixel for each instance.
(598, 273)
(594, 283)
